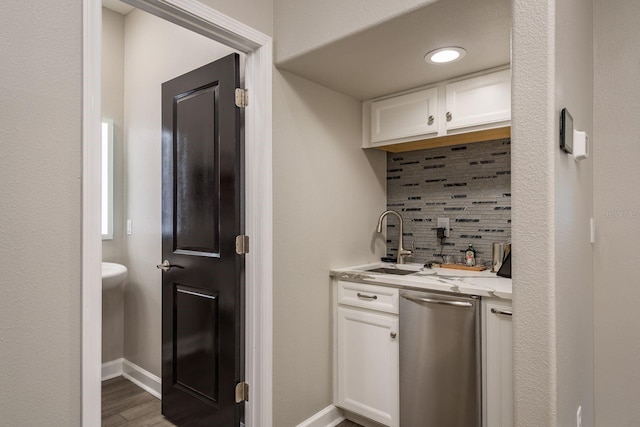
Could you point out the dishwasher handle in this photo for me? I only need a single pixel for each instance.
(436, 301)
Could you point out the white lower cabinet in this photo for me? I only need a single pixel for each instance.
(366, 354)
(367, 367)
(498, 364)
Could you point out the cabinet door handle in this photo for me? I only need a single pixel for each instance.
(365, 296)
(430, 120)
(503, 312)
(449, 116)
(393, 334)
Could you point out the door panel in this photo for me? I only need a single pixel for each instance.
(202, 293)
(197, 184)
(196, 342)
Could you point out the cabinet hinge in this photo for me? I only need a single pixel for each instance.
(242, 244)
(242, 392)
(242, 98)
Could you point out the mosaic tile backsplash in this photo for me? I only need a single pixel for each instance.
(469, 184)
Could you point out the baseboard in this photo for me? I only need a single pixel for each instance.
(330, 416)
(142, 378)
(134, 373)
(112, 369)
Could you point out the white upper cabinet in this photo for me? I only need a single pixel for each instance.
(404, 116)
(479, 101)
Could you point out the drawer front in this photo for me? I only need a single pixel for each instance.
(370, 297)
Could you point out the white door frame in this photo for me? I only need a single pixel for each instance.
(202, 19)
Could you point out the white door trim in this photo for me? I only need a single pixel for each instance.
(195, 16)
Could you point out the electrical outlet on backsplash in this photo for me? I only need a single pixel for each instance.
(470, 184)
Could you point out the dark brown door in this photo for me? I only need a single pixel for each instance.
(202, 291)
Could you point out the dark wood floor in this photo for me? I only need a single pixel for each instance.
(124, 404)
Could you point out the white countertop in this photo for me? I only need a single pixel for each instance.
(481, 283)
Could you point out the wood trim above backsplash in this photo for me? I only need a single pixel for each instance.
(449, 140)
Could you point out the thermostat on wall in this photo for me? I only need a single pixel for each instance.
(572, 141)
(580, 145)
(566, 131)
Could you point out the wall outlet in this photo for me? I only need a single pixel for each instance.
(579, 417)
(444, 223)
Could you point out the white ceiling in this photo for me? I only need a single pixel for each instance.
(389, 57)
(117, 6)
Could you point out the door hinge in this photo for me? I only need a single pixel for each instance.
(242, 392)
(242, 98)
(242, 244)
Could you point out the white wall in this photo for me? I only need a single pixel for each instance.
(616, 152)
(573, 211)
(532, 190)
(257, 14)
(113, 108)
(328, 194)
(552, 204)
(155, 51)
(301, 26)
(40, 224)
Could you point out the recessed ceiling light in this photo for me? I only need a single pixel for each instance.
(444, 55)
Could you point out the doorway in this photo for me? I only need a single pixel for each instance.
(257, 48)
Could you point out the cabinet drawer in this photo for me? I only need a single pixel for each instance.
(368, 296)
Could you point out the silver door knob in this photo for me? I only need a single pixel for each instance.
(165, 266)
(393, 334)
(449, 116)
(430, 120)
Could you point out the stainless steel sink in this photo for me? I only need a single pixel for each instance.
(398, 271)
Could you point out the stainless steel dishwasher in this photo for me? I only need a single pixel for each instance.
(440, 360)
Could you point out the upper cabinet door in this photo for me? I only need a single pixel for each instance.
(405, 116)
(479, 101)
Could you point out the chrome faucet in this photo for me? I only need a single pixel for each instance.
(402, 252)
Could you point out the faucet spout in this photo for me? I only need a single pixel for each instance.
(402, 252)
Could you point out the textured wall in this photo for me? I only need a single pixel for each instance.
(301, 26)
(617, 211)
(151, 48)
(552, 205)
(469, 184)
(113, 108)
(328, 193)
(533, 136)
(40, 224)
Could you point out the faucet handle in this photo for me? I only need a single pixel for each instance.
(407, 252)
